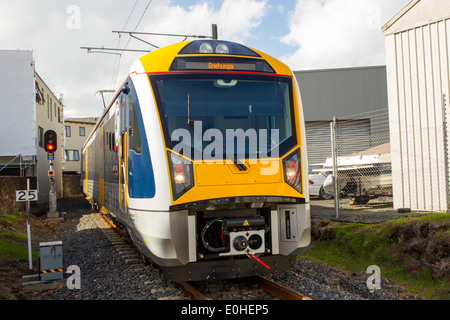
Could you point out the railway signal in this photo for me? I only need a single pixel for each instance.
(50, 144)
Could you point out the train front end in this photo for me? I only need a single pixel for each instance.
(231, 123)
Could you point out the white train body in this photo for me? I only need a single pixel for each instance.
(195, 209)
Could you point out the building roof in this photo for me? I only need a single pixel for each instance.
(418, 13)
(399, 15)
(82, 120)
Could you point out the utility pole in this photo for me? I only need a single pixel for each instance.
(335, 166)
(214, 32)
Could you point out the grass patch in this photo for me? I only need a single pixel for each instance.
(11, 218)
(14, 246)
(413, 252)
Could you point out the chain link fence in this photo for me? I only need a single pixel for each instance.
(360, 154)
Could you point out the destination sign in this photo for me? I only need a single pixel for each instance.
(220, 66)
(214, 64)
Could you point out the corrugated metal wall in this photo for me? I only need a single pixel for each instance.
(418, 86)
(356, 96)
(353, 136)
(342, 92)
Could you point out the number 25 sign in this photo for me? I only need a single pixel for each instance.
(26, 195)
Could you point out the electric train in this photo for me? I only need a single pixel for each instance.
(201, 158)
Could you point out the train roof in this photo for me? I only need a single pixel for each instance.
(201, 52)
(163, 60)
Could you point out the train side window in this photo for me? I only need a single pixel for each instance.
(123, 114)
(133, 130)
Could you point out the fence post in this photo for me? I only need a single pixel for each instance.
(30, 253)
(333, 126)
(445, 114)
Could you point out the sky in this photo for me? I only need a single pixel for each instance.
(304, 34)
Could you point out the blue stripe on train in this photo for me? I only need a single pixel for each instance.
(141, 178)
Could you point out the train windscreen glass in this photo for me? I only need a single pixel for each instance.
(245, 115)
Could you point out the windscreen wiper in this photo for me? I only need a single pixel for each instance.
(236, 161)
(190, 123)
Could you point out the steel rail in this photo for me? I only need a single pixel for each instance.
(198, 295)
(284, 293)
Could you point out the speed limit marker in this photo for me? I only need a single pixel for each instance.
(26, 195)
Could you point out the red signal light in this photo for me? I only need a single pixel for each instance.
(50, 139)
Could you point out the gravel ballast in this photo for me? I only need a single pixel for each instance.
(105, 275)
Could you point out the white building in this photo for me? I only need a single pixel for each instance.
(76, 131)
(28, 108)
(417, 47)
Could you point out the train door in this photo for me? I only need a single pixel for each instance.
(102, 165)
(122, 123)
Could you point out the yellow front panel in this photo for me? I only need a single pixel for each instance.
(216, 181)
(213, 174)
(200, 193)
(161, 59)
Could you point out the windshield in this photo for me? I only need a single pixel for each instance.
(246, 115)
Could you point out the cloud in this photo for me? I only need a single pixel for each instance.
(56, 29)
(338, 33)
(236, 18)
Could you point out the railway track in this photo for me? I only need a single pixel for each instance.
(257, 287)
(123, 247)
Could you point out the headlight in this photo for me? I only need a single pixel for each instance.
(222, 48)
(206, 47)
(181, 174)
(292, 170)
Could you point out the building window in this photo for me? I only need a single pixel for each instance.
(67, 131)
(82, 131)
(72, 155)
(41, 137)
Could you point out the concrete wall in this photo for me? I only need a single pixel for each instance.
(72, 184)
(8, 187)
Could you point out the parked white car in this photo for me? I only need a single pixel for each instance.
(316, 180)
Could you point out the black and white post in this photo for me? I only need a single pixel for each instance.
(30, 259)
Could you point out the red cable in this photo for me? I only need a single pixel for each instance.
(258, 260)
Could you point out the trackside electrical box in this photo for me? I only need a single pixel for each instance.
(51, 260)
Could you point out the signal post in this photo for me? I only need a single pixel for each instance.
(50, 145)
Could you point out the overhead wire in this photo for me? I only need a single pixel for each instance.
(129, 39)
(118, 58)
